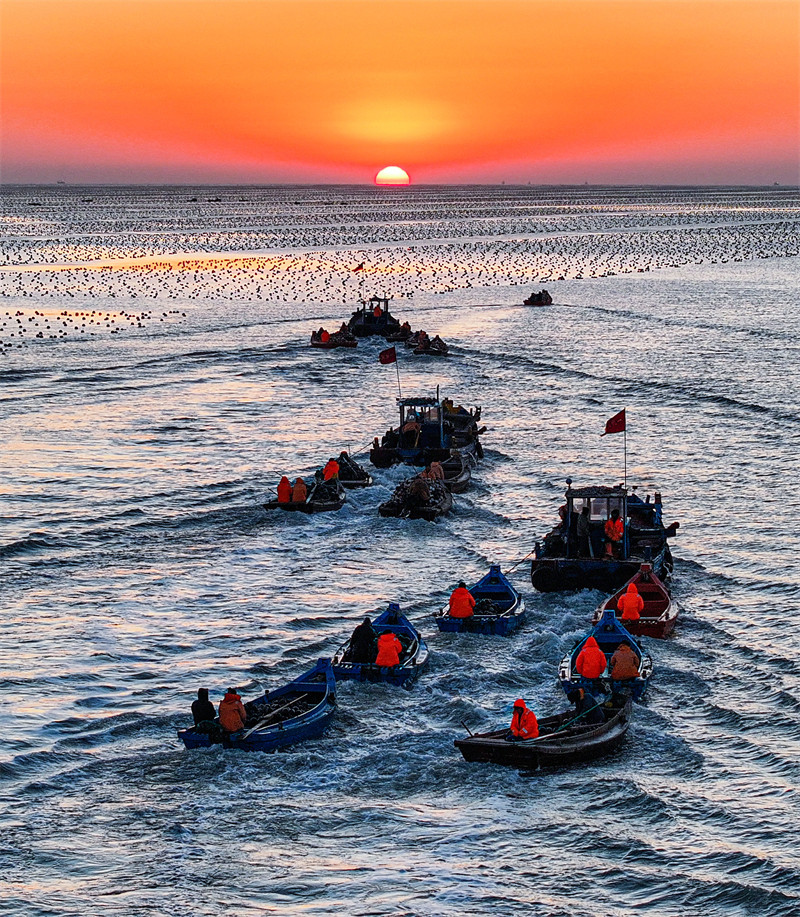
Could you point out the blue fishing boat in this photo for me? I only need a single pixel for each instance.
(567, 559)
(429, 430)
(298, 711)
(609, 634)
(499, 608)
(413, 659)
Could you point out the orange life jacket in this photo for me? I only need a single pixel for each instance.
(325, 337)
(284, 490)
(389, 649)
(331, 469)
(630, 604)
(591, 661)
(524, 723)
(232, 713)
(614, 529)
(462, 603)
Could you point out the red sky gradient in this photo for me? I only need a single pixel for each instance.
(696, 91)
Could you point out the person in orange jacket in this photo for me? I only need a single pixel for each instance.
(524, 724)
(591, 661)
(631, 604)
(389, 649)
(331, 470)
(462, 602)
(232, 715)
(614, 530)
(299, 491)
(284, 490)
(624, 663)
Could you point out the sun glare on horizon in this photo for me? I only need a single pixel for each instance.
(392, 175)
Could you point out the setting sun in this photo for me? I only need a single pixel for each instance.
(392, 175)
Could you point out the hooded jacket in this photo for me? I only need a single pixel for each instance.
(202, 708)
(462, 603)
(299, 491)
(284, 490)
(591, 661)
(389, 649)
(630, 604)
(624, 663)
(524, 724)
(232, 714)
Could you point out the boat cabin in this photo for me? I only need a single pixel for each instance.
(421, 424)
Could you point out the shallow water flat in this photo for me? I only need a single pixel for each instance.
(144, 430)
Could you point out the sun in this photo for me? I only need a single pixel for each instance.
(392, 175)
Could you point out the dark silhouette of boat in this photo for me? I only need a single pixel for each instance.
(323, 497)
(418, 499)
(539, 299)
(373, 317)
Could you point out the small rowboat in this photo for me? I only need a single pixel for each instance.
(413, 659)
(403, 505)
(499, 608)
(457, 472)
(351, 474)
(657, 618)
(539, 299)
(297, 711)
(327, 497)
(562, 740)
(609, 634)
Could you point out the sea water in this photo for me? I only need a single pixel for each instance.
(171, 386)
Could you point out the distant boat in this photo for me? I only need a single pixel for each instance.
(364, 322)
(539, 299)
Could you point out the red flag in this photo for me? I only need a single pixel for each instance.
(616, 424)
(360, 267)
(388, 356)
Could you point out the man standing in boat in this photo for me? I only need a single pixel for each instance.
(614, 531)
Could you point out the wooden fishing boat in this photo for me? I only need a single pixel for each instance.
(334, 340)
(400, 336)
(562, 561)
(365, 323)
(405, 504)
(657, 618)
(298, 711)
(351, 474)
(325, 497)
(563, 739)
(457, 472)
(413, 659)
(609, 634)
(539, 299)
(432, 347)
(499, 608)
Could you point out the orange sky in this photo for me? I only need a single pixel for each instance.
(451, 90)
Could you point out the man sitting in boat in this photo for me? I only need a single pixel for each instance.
(524, 724)
(614, 530)
(624, 663)
(202, 709)
(232, 715)
(284, 490)
(331, 469)
(389, 649)
(586, 707)
(462, 602)
(631, 604)
(299, 491)
(362, 643)
(591, 661)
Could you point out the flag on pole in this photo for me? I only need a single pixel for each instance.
(388, 356)
(615, 424)
(360, 267)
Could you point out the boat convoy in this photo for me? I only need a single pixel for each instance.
(607, 538)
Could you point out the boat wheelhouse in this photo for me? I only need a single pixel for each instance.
(564, 560)
(373, 317)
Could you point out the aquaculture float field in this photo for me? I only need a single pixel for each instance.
(172, 385)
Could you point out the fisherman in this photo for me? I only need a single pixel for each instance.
(584, 531)
(202, 709)
(389, 649)
(232, 715)
(331, 469)
(324, 336)
(284, 490)
(299, 491)
(418, 492)
(362, 642)
(591, 661)
(524, 724)
(586, 707)
(624, 663)
(614, 530)
(631, 604)
(435, 471)
(462, 602)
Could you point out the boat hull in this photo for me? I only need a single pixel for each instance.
(562, 574)
(403, 675)
(572, 745)
(659, 615)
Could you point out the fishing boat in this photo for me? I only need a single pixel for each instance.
(657, 618)
(563, 739)
(499, 608)
(373, 317)
(351, 474)
(418, 499)
(324, 341)
(298, 711)
(609, 634)
(413, 659)
(323, 497)
(432, 347)
(539, 299)
(427, 432)
(563, 561)
(457, 472)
